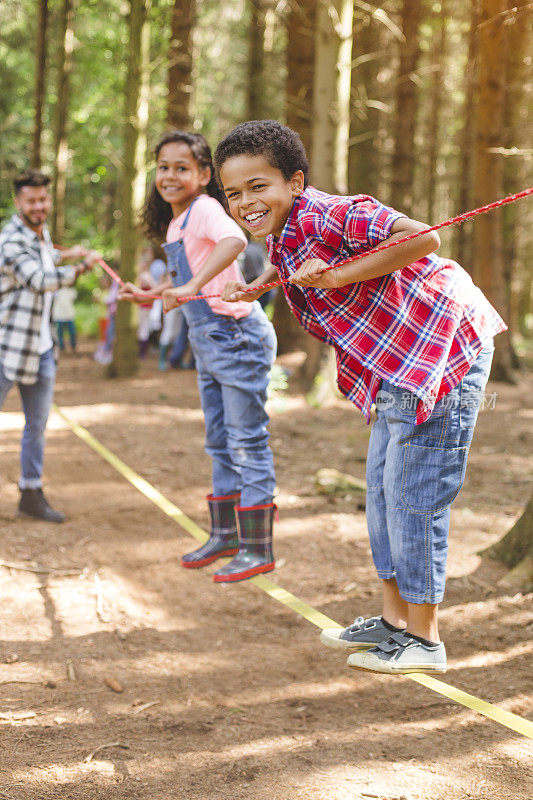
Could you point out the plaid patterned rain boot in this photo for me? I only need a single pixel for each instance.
(255, 544)
(223, 539)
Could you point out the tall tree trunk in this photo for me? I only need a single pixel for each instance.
(329, 159)
(514, 175)
(438, 53)
(40, 74)
(256, 59)
(488, 171)
(525, 298)
(463, 249)
(299, 97)
(331, 96)
(363, 153)
(180, 64)
(300, 67)
(61, 137)
(125, 360)
(406, 107)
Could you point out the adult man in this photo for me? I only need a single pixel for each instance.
(28, 279)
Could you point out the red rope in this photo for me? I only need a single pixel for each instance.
(455, 221)
(112, 274)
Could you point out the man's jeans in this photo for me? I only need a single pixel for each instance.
(414, 473)
(36, 401)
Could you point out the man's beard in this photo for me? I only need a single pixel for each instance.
(30, 222)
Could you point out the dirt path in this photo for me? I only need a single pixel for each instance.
(226, 693)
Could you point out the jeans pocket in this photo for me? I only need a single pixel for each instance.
(432, 477)
(227, 338)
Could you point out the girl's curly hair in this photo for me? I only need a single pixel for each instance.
(156, 213)
(281, 146)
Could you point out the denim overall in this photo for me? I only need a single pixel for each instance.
(233, 362)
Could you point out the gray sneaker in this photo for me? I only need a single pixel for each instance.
(400, 654)
(360, 635)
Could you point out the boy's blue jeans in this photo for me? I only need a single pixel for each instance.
(36, 401)
(233, 361)
(414, 473)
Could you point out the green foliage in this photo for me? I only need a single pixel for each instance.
(17, 45)
(87, 316)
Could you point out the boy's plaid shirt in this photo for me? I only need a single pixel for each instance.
(420, 328)
(23, 281)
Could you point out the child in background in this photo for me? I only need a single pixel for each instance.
(107, 294)
(412, 333)
(145, 283)
(63, 314)
(234, 347)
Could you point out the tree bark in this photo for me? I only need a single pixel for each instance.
(363, 152)
(40, 75)
(180, 64)
(463, 249)
(256, 60)
(514, 168)
(329, 154)
(300, 68)
(438, 53)
(488, 172)
(406, 107)
(331, 96)
(125, 360)
(299, 95)
(525, 298)
(61, 135)
(515, 550)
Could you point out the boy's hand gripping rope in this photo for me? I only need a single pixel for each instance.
(455, 221)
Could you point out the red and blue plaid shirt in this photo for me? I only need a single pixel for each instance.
(420, 328)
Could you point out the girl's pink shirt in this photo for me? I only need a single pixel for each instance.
(207, 225)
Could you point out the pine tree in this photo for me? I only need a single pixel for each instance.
(40, 75)
(61, 114)
(183, 17)
(125, 360)
(406, 108)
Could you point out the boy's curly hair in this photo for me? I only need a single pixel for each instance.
(281, 146)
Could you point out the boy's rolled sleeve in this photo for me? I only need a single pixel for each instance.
(368, 222)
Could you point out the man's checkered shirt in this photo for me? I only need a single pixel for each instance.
(23, 281)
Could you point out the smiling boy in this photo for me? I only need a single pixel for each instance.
(406, 326)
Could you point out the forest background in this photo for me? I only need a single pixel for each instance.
(426, 105)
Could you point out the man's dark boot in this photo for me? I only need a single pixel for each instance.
(223, 536)
(255, 544)
(33, 503)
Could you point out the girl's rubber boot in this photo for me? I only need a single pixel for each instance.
(255, 544)
(223, 539)
(162, 365)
